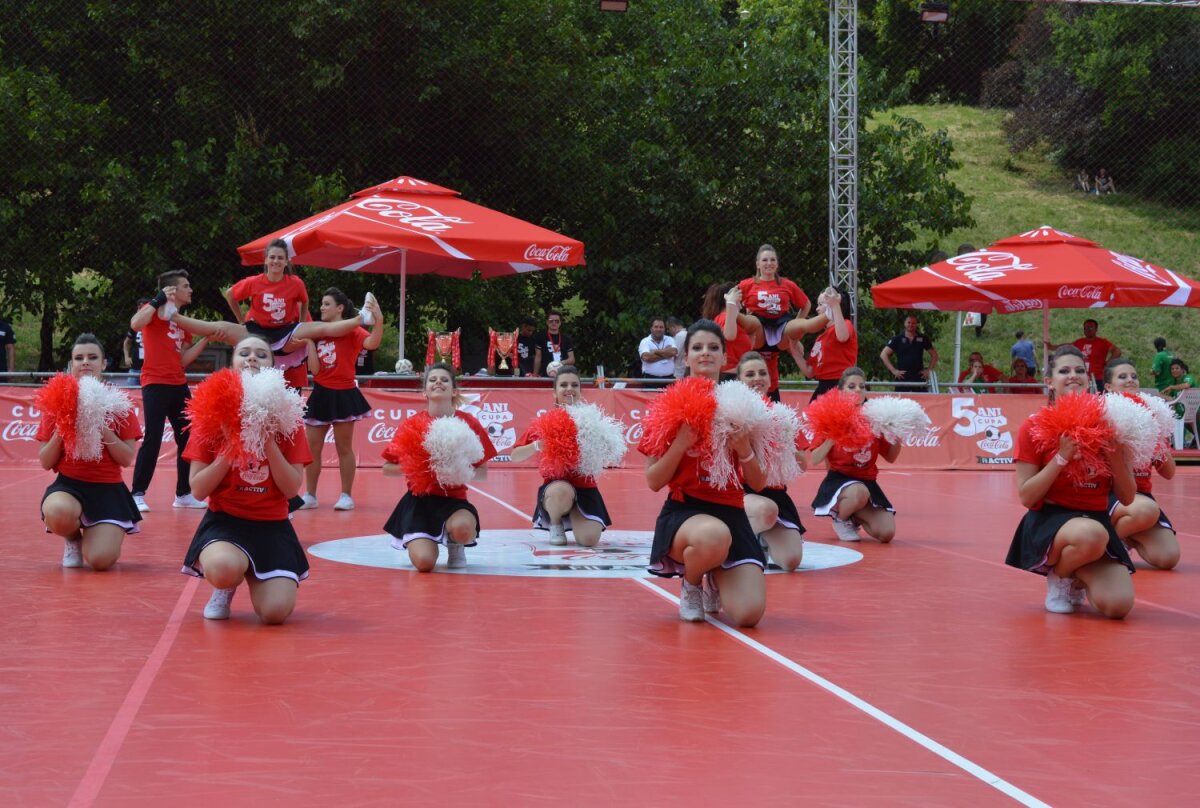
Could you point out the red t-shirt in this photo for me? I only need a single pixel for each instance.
(532, 434)
(1144, 477)
(104, 470)
(1095, 351)
(296, 377)
(272, 304)
(990, 374)
(830, 357)
(1089, 496)
(251, 492)
(390, 453)
(1026, 380)
(772, 298)
(858, 463)
(733, 348)
(691, 479)
(338, 358)
(163, 343)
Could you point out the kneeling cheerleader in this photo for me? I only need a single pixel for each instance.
(248, 454)
(577, 442)
(438, 451)
(88, 433)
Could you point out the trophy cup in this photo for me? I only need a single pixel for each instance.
(442, 346)
(501, 343)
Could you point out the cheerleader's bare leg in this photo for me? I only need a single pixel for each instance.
(558, 500)
(1079, 542)
(102, 545)
(224, 564)
(274, 599)
(423, 553)
(1137, 524)
(786, 546)
(701, 544)
(316, 443)
(61, 512)
(743, 593)
(343, 441)
(1109, 586)
(880, 524)
(221, 331)
(587, 531)
(461, 527)
(317, 329)
(762, 513)
(852, 499)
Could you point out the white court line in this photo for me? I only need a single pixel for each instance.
(499, 501)
(955, 759)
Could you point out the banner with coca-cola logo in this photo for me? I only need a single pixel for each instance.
(967, 431)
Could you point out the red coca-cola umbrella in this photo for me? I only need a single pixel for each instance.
(1042, 269)
(408, 227)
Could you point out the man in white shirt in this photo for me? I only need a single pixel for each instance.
(678, 333)
(658, 352)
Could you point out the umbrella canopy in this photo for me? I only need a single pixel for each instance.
(408, 226)
(1044, 268)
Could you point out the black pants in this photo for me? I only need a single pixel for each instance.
(159, 403)
(823, 387)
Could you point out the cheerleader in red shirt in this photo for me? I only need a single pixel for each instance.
(245, 535)
(1142, 525)
(850, 493)
(702, 533)
(565, 503)
(772, 512)
(434, 509)
(1067, 535)
(335, 400)
(722, 305)
(836, 348)
(88, 503)
(774, 301)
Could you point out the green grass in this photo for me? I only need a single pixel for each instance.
(1014, 193)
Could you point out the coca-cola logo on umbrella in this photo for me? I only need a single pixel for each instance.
(413, 214)
(1080, 292)
(551, 255)
(1140, 268)
(988, 265)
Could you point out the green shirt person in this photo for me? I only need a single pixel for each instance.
(1181, 380)
(1162, 364)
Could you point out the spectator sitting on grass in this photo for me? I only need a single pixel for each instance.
(1104, 183)
(1082, 181)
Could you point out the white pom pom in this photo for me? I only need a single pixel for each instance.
(99, 405)
(776, 445)
(1135, 427)
(269, 409)
(737, 407)
(454, 449)
(896, 419)
(1164, 420)
(600, 437)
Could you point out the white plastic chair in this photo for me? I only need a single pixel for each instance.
(1190, 399)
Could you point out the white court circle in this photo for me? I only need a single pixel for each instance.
(620, 554)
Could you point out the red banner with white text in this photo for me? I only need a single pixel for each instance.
(968, 431)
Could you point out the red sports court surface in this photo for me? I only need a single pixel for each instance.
(925, 673)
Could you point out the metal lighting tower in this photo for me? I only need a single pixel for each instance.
(843, 149)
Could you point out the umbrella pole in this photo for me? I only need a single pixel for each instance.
(1045, 334)
(403, 295)
(958, 322)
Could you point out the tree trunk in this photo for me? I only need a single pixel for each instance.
(46, 359)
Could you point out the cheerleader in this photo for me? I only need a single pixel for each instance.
(88, 503)
(836, 348)
(434, 509)
(702, 532)
(1067, 535)
(722, 305)
(772, 513)
(335, 400)
(850, 494)
(246, 534)
(570, 502)
(1142, 525)
(774, 301)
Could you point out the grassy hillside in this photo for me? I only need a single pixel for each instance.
(1014, 194)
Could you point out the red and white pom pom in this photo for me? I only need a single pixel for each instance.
(559, 455)
(1134, 426)
(1164, 422)
(100, 405)
(776, 445)
(453, 449)
(1081, 418)
(738, 408)
(837, 416)
(600, 437)
(269, 409)
(407, 450)
(896, 419)
(688, 401)
(58, 402)
(211, 412)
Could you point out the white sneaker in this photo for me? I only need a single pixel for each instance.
(189, 501)
(344, 503)
(558, 536)
(1078, 593)
(140, 501)
(691, 603)
(167, 310)
(367, 317)
(72, 553)
(218, 605)
(456, 555)
(310, 502)
(710, 595)
(846, 531)
(1058, 594)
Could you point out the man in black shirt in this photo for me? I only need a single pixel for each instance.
(527, 345)
(556, 347)
(908, 349)
(8, 347)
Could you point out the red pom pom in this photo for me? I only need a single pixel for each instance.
(838, 416)
(407, 450)
(560, 445)
(1081, 417)
(215, 413)
(688, 401)
(59, 403)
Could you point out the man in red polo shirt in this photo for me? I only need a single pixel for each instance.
(1096, 350)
